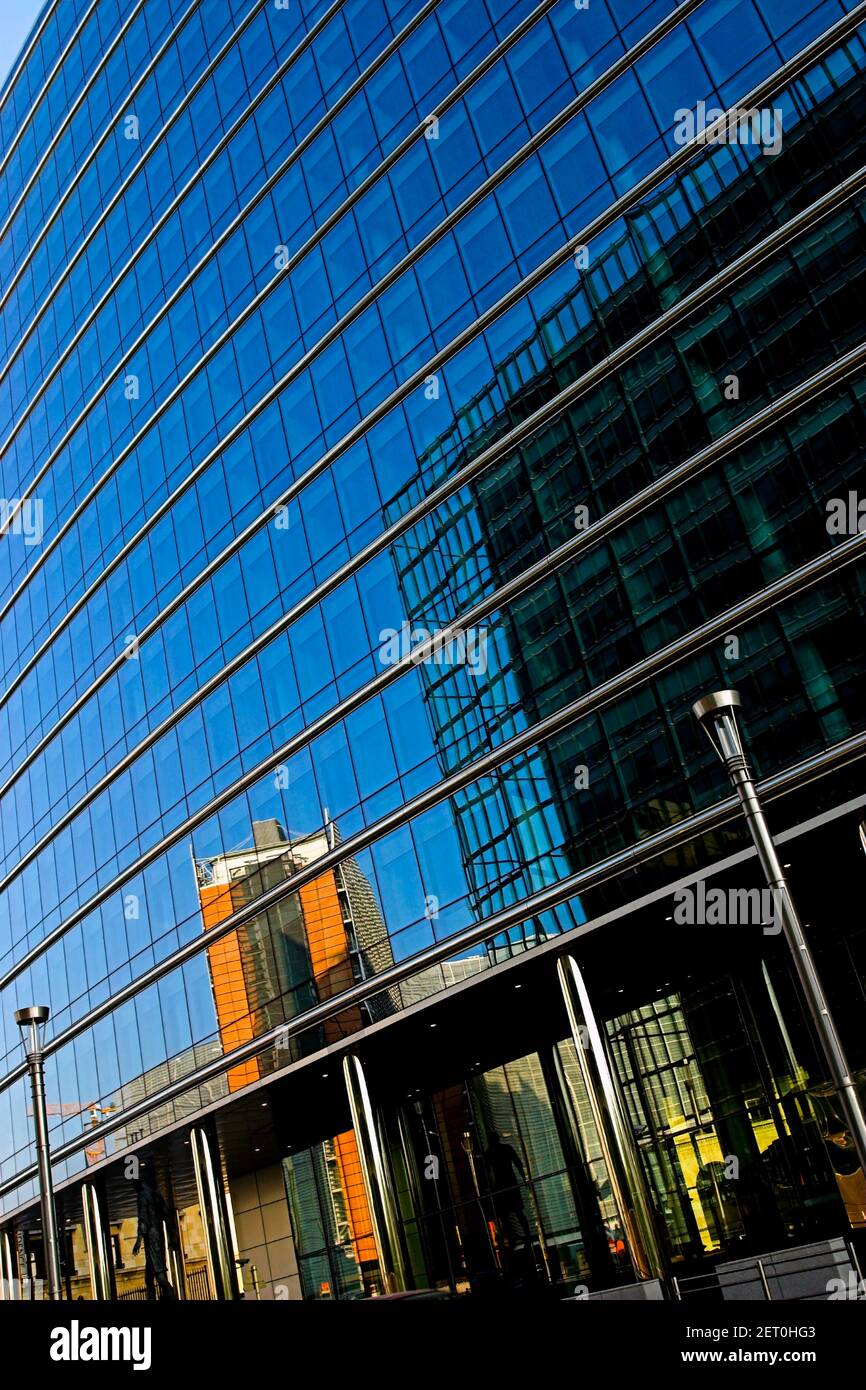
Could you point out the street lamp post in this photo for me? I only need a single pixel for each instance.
(718, 718)
(35, 1017)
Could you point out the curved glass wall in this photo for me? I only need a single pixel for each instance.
(399, 418)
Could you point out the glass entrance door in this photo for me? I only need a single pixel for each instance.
(730, 1170)
(503, 1195)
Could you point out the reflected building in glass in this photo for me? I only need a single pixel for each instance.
(407, 412)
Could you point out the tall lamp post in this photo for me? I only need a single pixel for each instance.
(34, 1018)
(718, 718)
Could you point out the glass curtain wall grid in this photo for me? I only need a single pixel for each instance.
(399, 416)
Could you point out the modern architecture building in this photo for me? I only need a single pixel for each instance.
(408, 410)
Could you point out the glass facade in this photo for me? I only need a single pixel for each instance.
(405, 415)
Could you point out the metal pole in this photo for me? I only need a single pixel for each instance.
(717, 714)
(10, 1284)
(374, 1170)
(99, 1255)
(32, 1018)
(211, 1206)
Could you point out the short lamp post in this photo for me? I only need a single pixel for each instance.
(34, 1019)
(717, 714)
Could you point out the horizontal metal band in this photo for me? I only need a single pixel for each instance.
(636, 854)
(755, 605)
(154, 230)
(23, 58)
(187, 97)
(593, 90)
(58, 64)
(598, 224)
(828, 203)
(67, 119)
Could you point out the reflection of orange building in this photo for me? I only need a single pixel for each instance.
(355, 1196)
(342, 937)
(329, 953)
(234, 1017)
(341, 930)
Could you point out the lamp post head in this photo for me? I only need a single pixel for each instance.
(717, 715)
(34, 1013)
(34, 1017)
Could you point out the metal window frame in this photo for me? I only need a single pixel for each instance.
(58, 63)
(711, 818)
(67, 119)
(827, 205)
(595, 227)
(756, 605)
(106, 211)
(382, 168)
